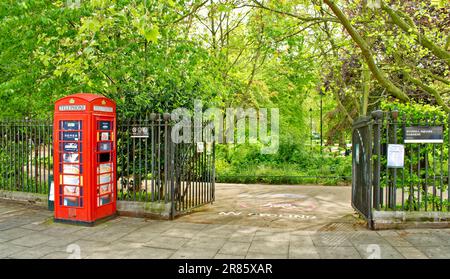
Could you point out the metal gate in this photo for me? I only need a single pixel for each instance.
(153, 168)
(361, 166)
(421, 181)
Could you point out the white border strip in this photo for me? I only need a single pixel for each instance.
(425, 141)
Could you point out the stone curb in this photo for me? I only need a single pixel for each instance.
(154, 210)
(408, 220)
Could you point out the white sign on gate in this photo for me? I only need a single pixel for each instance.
(396, 156)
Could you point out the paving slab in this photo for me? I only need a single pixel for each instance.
(331, 239)
(63, 240)
(40, 225)
(367, 238)
(394, 238)
(435, 252)
(189, 226)
(8, 249)
(272, 247)
(86, 247)
(185, 233)
(338, 253)
(205, 242)
(242, 236)
(140, 236)
(36, 252)
(12, 222)
(110, 234)
(378, 251)
(13, 233)
(235, 248)
(194, 253)
(424, 239)
(62, 229)
(149, 253)
(253, 255)
(225, 256)
(118, 250)
(32, 240)
(411, 252)
(303, 252)
(262, 235)
(301, 241)
(56, 255)
(167, 242)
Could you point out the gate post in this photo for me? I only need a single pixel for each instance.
(393, 185)
(169, 163)
(377, 115)
(448, 175)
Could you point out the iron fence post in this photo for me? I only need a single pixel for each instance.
(377, 115)
(393, 198)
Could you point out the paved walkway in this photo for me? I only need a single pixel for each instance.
(274, 222)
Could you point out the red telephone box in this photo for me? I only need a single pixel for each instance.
(84, 159)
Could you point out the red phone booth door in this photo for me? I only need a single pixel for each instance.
(105, 155)
(71, 160)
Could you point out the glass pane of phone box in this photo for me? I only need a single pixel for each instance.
(104, 157)
(72, 201)
(104, 146)
(104, 125)
(70, 147)
(103, 200)
(70, 125)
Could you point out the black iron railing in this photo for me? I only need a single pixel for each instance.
(26, 155)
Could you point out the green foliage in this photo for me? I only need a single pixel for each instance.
(291, 165)
(121, 49)
(154, 56)
(415, 110)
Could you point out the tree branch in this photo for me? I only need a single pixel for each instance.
(428, 89)
(367, 53)
(195, 9)
(420, 38)
(302, 18)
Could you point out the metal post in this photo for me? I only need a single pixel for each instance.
(411, 187)
(321, 125)
(310, 129)
(434, 168)
(393, 198)
(448, 175)
(386, 193)
(426, 167)
(377, 115)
